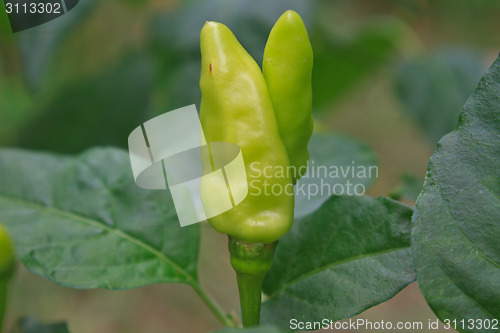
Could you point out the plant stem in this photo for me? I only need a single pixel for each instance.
(250, 287)
(213, 306)
(251, 262)
(3, 300)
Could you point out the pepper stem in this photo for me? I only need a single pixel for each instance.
(251, 262)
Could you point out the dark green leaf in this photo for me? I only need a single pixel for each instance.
(5, 27)
(38, 44)
(100, 110)
(15, 108)
(341, 156)
(341, 63)
(351, 254)
(456, 222)
(82, 221)
(29, 325)
(433, 88)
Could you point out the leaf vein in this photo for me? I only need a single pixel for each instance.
(117, 232)
(332, 265)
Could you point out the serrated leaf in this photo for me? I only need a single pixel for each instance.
(351, 254)
(29, 325)
(82, 221)
(456, 225)
(341, 156)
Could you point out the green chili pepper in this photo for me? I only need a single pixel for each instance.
(271, 122)
(236, 108)
(287, 68)
(7, 261)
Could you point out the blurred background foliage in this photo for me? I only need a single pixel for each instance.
(392, 74)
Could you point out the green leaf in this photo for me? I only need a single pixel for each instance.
(29, 325)
(260, 329)
(342, 62)
(341, 156)
(15, 108)
(456, 222)
(434, 87)
(37, 45)
(82, 221)
(99, 110)
(351, 254)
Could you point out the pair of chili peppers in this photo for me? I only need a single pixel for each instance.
(267, 113)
